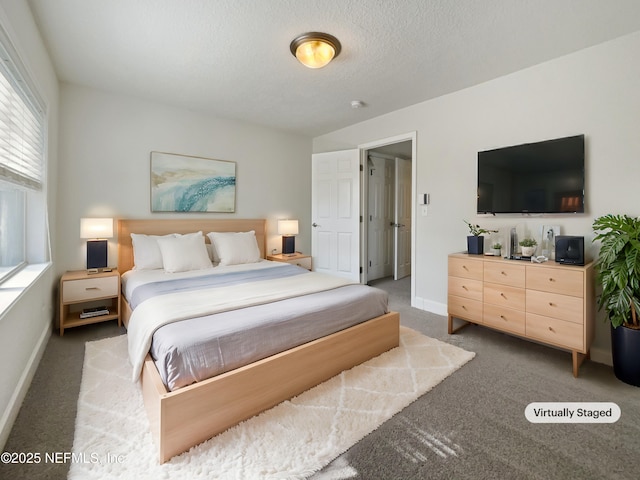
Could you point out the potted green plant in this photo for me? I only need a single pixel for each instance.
(618, 271)
(528, 246)
(475, 241)
(496, 249)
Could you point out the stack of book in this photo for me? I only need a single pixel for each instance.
(94, 312)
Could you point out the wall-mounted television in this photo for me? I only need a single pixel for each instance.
(541, 177)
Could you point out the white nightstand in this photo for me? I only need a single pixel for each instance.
(297, 258)
(80, 289)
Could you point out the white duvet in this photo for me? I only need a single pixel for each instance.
(161, 310)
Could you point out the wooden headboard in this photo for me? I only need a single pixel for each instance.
(163, 227)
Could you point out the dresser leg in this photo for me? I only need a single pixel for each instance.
(451, 330)
(578, 358)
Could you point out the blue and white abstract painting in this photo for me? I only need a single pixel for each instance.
(181, 183)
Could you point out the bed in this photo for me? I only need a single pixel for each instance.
(188, 415)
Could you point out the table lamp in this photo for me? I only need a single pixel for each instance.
(96, 230)
(288, 229)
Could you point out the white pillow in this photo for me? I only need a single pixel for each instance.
(184, 253)
(146, 252)
(233, 248)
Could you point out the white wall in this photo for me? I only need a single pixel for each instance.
(594, 92)
(105, 145)
(26, 326)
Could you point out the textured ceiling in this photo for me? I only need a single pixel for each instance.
(232, 58)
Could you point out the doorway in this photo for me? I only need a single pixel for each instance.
(340, 211)
(388, 217)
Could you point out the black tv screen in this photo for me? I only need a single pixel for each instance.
(541, 177)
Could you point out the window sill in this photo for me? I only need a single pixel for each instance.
(13, 288)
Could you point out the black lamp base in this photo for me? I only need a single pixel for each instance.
(96, 254)
(288, 244)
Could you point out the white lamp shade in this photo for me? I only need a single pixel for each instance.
(96, 227)
(288, 227)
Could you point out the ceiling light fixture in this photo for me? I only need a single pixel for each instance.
(315, 49)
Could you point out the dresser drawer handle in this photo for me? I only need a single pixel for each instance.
(552, 279)
(92, 288)
(503, 296)
(464, 287)
(503, 318)
(551, 304)
(464, 307)
(552, 330)
(503, 273)
(465, 267)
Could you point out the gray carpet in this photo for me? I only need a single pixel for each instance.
(471, 426)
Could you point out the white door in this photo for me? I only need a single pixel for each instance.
(402, 236)
(335, 213)
(378, 226)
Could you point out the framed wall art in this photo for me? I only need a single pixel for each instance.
(548, 240)
(182, 183)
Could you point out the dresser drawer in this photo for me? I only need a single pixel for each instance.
(90, 288)
(504, 295)
(463, 267)
(465, 308)
(504, 319)
(554, 305)
(557, 332)
(505, 273)
(556, 280)
(465, 287)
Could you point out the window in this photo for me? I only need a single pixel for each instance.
(22, 165)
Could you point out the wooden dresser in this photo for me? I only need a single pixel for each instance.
(546, 302)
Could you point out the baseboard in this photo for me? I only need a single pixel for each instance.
(601, 355)
(13, 408)
(430, 306)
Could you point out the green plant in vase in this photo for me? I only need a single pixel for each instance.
(475, 241)
(528, 246)
(618, 272)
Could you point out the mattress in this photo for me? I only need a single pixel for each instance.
(193, 349)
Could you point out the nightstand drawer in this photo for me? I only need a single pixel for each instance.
(90, 288)
(302, 262)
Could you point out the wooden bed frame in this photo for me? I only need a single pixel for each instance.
(190, 415)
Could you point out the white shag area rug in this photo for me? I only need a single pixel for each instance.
(292, 440)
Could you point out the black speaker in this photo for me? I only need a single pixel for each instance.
(570, 250)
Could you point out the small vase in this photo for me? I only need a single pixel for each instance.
(528, 251)
(475, 244)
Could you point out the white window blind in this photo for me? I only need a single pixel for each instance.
(22, 166)
(21, 128)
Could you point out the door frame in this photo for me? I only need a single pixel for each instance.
(364, 204)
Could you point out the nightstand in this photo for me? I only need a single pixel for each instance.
(80, 290)
(297, 258)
